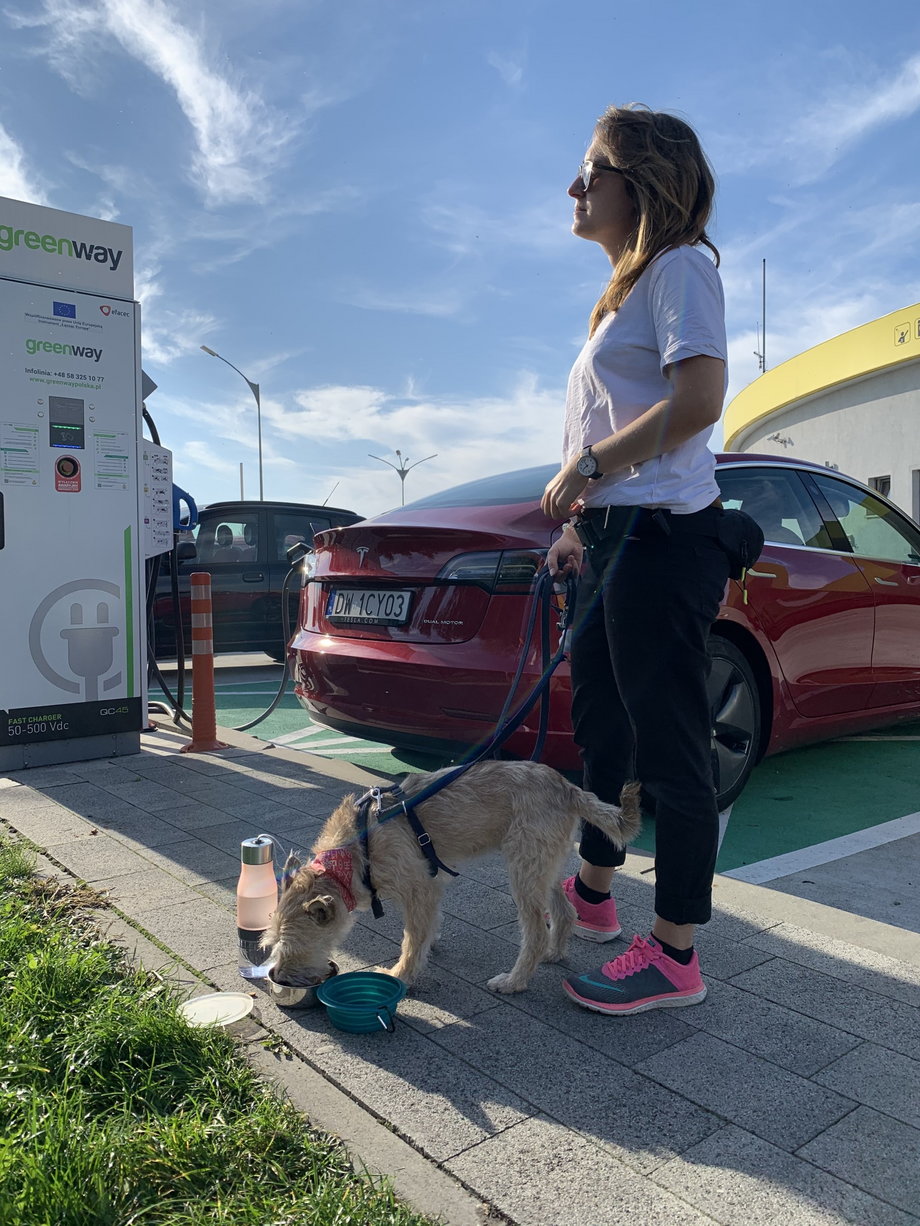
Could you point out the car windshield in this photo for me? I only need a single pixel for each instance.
(525, 485)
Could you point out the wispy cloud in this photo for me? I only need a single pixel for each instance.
(238, 138)
(440, 303)
(15, 179)
(509, 67)
(197, 455)
(806, 129)
(850, 114)
(466, 439)
(167, 333)
(528, 418)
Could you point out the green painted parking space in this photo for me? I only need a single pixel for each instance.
(792, 801)
(811, 795)
(290, 727)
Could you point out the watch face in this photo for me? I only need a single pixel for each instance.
(587, 465)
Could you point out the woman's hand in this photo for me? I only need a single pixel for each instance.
(560, 495)
(565, 554)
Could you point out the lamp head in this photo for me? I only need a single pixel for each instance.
(210, 351)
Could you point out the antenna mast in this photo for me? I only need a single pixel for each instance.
(760, 353)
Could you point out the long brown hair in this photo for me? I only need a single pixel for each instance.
(671, 185)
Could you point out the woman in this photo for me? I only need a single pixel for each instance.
(638, 479)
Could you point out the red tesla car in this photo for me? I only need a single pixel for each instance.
(411, 623)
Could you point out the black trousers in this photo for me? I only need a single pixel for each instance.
(640, 710)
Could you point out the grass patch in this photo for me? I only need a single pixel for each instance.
(116, 1113)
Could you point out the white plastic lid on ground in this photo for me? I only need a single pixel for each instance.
(216, 1009)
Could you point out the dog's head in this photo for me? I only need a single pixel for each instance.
(309, 922)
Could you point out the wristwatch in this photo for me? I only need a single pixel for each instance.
(587, 465)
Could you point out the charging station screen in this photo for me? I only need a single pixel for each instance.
(66, 421)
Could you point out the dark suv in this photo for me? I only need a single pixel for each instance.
(243, 546)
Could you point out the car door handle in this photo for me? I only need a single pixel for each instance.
(251, 578)
(886, 582)
(762, 574)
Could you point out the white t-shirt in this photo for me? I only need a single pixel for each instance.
(675, 310)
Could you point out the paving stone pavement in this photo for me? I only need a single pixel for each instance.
(789, 1096)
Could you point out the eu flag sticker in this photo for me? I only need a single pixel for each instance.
(67, 310)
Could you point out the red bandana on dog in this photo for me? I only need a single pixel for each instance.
(336, 863)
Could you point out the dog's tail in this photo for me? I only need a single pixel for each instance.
(620, 824)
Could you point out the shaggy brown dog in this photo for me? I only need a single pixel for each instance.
(528, 811)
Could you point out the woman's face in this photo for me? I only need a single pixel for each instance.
(604, 211)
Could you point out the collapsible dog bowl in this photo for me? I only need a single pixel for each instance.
(361, 1001)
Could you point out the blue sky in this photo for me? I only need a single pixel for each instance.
(361, 204)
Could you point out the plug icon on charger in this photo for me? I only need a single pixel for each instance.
(90, 648)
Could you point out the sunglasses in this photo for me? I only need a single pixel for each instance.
(588, 171)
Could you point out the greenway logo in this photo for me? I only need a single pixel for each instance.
(73, 351)
(10, 238)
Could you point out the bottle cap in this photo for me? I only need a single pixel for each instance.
(256, 851)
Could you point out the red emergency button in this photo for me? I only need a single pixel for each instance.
(67, 474)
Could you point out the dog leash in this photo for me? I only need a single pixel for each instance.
(504, 729)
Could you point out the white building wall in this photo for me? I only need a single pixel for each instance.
(866, 428)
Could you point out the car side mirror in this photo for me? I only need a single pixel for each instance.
(185, 551)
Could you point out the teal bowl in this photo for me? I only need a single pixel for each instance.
(361, 1001)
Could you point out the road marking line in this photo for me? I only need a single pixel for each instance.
(340, 742)
(328, 753)
(301, 733)
(343, 742)
(825, 853)
(247, 693)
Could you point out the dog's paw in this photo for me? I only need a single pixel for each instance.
(394, 972)
(504, 983)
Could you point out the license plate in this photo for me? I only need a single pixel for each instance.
(371, 606)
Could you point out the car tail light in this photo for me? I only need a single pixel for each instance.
(518, 570)
(308, 567)
(510, 571)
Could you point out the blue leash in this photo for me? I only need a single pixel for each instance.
(506, 726)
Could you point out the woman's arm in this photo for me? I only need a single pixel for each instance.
(693, 404)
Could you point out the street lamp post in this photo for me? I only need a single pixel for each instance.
(254, 388)
(402, 468)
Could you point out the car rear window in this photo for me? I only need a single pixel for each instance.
(289, 529)
(524, 485)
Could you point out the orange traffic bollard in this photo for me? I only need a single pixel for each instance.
(204, 715)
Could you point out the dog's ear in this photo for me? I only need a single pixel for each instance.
(320, 909)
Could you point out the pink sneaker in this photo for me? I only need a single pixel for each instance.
(597, 921)
(642, 978)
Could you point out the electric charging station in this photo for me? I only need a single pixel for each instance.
(72, 490)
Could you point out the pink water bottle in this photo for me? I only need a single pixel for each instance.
(256, 899)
